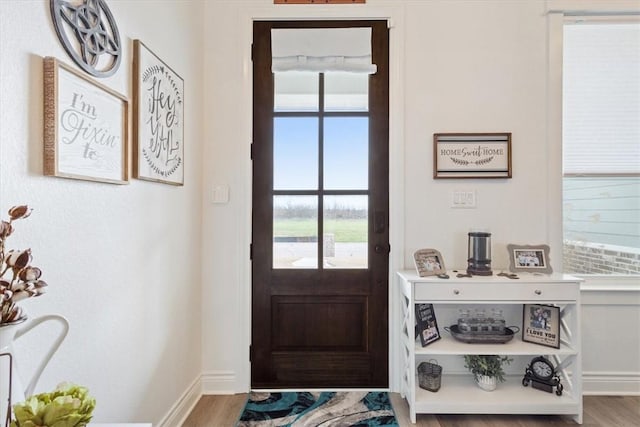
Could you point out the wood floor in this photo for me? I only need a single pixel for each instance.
(599, 411)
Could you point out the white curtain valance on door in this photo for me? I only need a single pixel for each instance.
(322, 50)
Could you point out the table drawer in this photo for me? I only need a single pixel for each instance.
(496, 292)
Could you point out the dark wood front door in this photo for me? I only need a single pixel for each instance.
(320, 243)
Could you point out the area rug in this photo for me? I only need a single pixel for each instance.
(318, 409)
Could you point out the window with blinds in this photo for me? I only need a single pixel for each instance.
(601, 87)
(601, 147)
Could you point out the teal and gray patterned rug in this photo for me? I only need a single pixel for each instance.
(318, 409)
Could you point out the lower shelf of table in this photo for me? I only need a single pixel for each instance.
(459, 394)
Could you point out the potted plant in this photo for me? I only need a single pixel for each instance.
(69, 405)
(486, 369)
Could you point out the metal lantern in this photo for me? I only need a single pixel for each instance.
(479, 255)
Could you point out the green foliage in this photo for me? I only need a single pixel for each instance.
(345, 230)
(489, 365)
(69, 405)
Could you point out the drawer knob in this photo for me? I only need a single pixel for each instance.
(456, 292)
(538, 292)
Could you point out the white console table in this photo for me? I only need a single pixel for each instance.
(458, 393)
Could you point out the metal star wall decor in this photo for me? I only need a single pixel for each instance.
(89, 34)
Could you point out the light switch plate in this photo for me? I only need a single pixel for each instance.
(220, 193)
(463, 199)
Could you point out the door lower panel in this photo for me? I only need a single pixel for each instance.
(330, 369)
(324, 323)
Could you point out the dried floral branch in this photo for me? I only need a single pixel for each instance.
(24, 281)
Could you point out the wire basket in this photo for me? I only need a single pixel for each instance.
(429, 375)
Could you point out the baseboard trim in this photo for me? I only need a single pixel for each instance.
(224, 382)
(216, 382)
(611, 383)
(219, 382)
(183, 407)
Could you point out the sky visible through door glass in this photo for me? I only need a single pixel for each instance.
(296, 167)
(345, 153)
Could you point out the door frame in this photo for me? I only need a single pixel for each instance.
(394, 15)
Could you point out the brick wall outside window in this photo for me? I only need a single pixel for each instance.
(594, 258)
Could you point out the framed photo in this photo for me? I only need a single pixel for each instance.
(426, 324)
(529, 258)
(472, 155)
(541, 325)
(429, 262)
(86, 128)
(158, 119)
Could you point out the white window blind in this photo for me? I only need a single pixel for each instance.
(322, 50)
(601, 98)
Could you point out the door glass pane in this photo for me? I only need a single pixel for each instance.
(345, 231)
(296, 91)
(346, 92)
(295, 153)
(295, 232)
(346, 153)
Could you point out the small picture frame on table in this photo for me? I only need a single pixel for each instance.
(426, 324)
(529, 259)
(541, 325)
(429, 262)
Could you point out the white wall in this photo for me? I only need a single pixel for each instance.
(123, 263)
(155, 279)
(476, 67)
(610, 338)
(456, 66)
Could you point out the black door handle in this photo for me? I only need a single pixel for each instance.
(382, 249)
